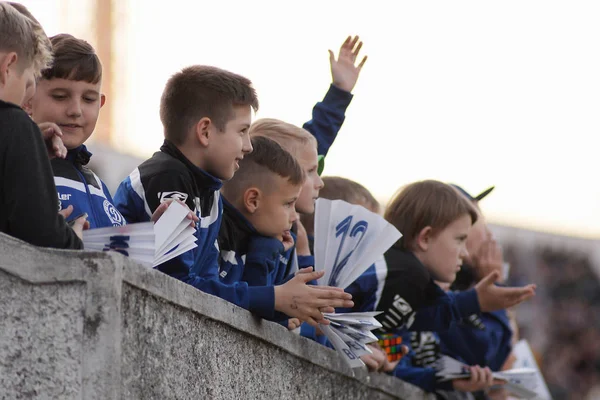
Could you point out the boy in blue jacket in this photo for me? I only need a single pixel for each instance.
(68, 100)
(206, 114)
(255, 241)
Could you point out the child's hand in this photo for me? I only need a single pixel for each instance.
(288, 241)
(53, 138)
(302, 246)
(343, 71)
(307, 303)
(494, 298)
(293, 323)
(160, 210)
(375, 361)
(66, 212)
(79, 225)
(481, 378)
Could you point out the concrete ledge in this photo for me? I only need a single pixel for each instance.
(85, 325)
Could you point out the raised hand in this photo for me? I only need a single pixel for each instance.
(344, 72)
(494, 298)
(307, 303)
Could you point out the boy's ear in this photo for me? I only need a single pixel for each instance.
(202, 131)
(252, 198)
(102, 100)
(6, 62)
(423, 238)
(28, 107)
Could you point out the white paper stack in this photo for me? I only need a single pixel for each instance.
(349, 333)
(519, 381)
(147, 242)
(348, 240)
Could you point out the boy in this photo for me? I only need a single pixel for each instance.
(435, 221)
(69, 96)
(27, 192)
(258, 213)
(206, 114)
(303, 146)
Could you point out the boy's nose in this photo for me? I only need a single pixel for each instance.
(74, 109)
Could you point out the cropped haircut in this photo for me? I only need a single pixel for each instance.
(74, 59)
(290, 137)
(21, 33)
(426, 203)
(338, 188)
(201, 91)
(257, 169)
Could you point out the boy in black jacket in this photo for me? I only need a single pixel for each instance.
(28, 201)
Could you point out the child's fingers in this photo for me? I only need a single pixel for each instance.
(328, 288)
(66, 212)
(310, 276)
(330, 293)
(489, 379)
(364, 60)
(355, 52)
(334, 302)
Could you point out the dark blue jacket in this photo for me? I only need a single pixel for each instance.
(170, 175)
(80, 187)
(328, 117)
(488, 345)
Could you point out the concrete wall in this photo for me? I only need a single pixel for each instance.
(83, 325)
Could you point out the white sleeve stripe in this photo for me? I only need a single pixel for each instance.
(138, 188)
(64, 182)
(381, 273)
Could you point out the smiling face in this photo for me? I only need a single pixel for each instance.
(443, 252)
(308, 159)
(72, 105)
(226, 148)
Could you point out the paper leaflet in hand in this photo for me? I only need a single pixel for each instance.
(147, 242)
(348, 240)
(520, 381)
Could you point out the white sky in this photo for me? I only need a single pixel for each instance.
(479, 93)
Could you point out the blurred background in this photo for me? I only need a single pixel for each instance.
(475, 93)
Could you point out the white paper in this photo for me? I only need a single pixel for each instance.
(525, 359)
(342, 348)
(147, 242)
(348, 240)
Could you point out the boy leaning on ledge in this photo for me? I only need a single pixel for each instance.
(27, 193)
(206, 114)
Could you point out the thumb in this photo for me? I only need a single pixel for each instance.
(306, 270)
(331, 57)
(490, 279)
(66, 212)
(80, 222)
(310, 276)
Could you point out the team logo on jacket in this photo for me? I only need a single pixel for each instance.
(164, 196)
(113, 214)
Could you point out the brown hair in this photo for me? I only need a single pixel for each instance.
(21, 33)
(201, 91)
(338, 188)
(258, 168)
(426, 203)
(74, 59)
(291, 137)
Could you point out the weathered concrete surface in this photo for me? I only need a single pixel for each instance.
(79, 325)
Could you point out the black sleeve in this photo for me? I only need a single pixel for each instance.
(29, 198)
(405, 291)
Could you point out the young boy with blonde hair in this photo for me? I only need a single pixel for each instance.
(206, 114)
(27, 191)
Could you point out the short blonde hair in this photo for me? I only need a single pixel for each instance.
(24, 35)
(426, 203)
(290, 137)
